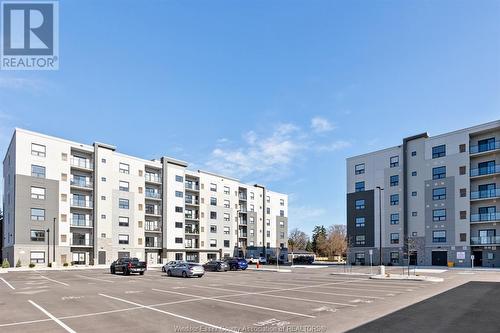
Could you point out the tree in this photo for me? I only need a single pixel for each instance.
(297, 240)
(309, 246)
(319, 240)
(336, 241)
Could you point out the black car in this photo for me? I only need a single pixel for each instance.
(216, 266)
(127, 266)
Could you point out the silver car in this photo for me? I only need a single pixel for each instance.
(186, 269)
(170, 264)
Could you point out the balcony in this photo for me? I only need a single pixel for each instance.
(485, 240)
(81, 223)
(243, 234)
(242, 196)
(484, 171)
(242, 221)
(152, 229)
(152, 211)
(152, 178)
(191, 216)
(485, 194)
(81, 163)
(483, 148)
(192, 187)
(191, 245)
(153, 195)
(81, 183)
(192, 202)
(485, 217)
(191, 231)
(80, 242)
(81, 203)
(154, 245)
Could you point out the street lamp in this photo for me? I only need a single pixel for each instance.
(48, 247)
(54, 241)
(380, 221)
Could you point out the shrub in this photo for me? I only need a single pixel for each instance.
(5, 263)
(18, 263)
(32, 265)
(65, 264)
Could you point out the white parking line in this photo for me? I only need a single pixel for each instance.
(63, 283)
(92, 278)
(370, 290)
(216, 299)
(8, 284)
(169, 313)
(48, 314)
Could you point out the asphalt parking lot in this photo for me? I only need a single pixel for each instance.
(306, 300)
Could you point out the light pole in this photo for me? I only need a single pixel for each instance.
(48, 247)
(380, 189)
(54, 242)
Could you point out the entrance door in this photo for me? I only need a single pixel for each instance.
(152, 258)
(413, 258)
(439, 258)
(78, 258)
(102, 258)
(478, 258)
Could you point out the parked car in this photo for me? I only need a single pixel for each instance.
(236, 263)
(170, 264)
(186, 269)
(216, 266)
(127, 266)
(272, 260)
(260, 260)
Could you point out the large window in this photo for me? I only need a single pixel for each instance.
(37, 257)
(213, 229)
(439, 215)
(359, 169)
(213, 215)
(122, 239)
(360, 222)
(213, 243)
(124, 168)
(226, 243)
(394, 238)
(178, 194)
(178, 240)
(360, 240)
(439, 151)
(394, 199)
(394, 180)
(179, 179)
(37, 171)
(439, 236)
(227, 190)
(439, 172)
(359, 258)
(123, 221)
(213, 187)
(37, 193)
(123, 203)
(394, 257)
(227, 217)
(395, 218)
(37, 214)
(227, 230)
(439, 193)
(394, 161)
(213, 201)
(37, 235)
(360, 186)
(227, 204)
(124, 186)
(37, 150)
(360, 204)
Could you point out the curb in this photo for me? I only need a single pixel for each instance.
(271, 270)
(407, 278)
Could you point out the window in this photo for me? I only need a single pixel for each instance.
(252, 195)
(103, 179)
(37, 171)
(359, 258)
(439, 236)
(213, 187)
(268, 233)
(227, 190)
(463, 192)
(394, 238)
(37, 150)
(227, 217)
(414, 214)
(394, 199)
(414, 153)
(360, 186)
(122, 239)
(395, 218)
(282, 224)
(123, 221)
(213, 229)
(359, 169)
(179, 179)
(360, 240)
(360, 222)
(394, 257)
(103, 197)
(213, 243)
(268, 222)
(414, 193)
(103, 216)
(227, 230)
(213, 215)
(439, 151)
(178, 224)
(414, 233)
(178, 209)
(360, 204)
(463, 214)
(268, 210)
(123, 203)
(461, 148)
(252, 220)
(413, 173)
(103, 160)
(439, 193)
(37, 193)
(178, 240)
(463, 237)
(394, 161)
(439, 215)
(268, 199)
(179, 194)
(439, 172)
(124, 168)
(226, 243)
(124, 186)
(252, 207)
(37, 235)
(37, 257)
(37, 214)
(213, 201)
(227, 204)
(394, 180)
(282, 202)
(462, 170)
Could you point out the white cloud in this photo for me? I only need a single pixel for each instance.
(334, 146)
(320, 125)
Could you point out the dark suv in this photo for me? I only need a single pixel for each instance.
(236, 263)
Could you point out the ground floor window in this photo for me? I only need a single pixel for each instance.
(359, 258)
(212, 256)
(78, 258)
(37, 257)
(394, 257)
(191, 257)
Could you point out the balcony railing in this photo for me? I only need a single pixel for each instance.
(243, 234)
(485, 217)
(81, 242)
(81, 163)
(152, 229)
(153, 244)
(484, 147)
(152, 178)
(242, 196)
(152, 211)
(81, 223)
(485, 171)
(485, 240)
(81, 183)
(192, 201)
(191, 231)
(192, 216)
(191, 186)
(81, 203)
(491, 193)
(153, 195)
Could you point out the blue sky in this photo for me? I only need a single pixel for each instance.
(278, 92)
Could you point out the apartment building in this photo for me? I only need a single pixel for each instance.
(432, 200)
(67, 202)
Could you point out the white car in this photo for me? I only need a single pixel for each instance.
(171, 264)
(260, 260)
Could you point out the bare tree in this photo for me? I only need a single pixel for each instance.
(336, 240)
(297, 240)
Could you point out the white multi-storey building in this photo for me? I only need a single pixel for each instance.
(67, 202)
(439, 200)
